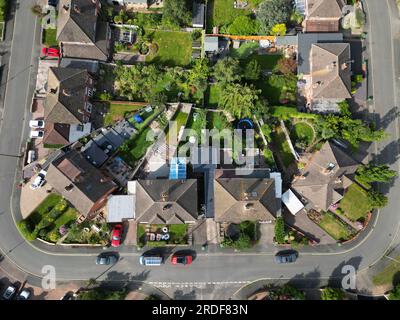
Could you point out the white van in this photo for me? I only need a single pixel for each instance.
(150, 261)
(31, 156)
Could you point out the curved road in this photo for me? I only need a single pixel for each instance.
(315, 263)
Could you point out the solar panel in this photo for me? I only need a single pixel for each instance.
(177, 169)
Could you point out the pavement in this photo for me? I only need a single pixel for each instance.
(215, 272)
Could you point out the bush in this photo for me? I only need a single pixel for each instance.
(332, 294)
(25, 230)
(285, 113)
(280, 230)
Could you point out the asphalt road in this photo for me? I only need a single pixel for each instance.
(314, 263)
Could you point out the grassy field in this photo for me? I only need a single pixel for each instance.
(303, 131)
(212, 96)
(174, 48)
(137, 147)
(335, 228)
(283, 147)
(49, 37)
(389, 275)
(118, 112)
(222, 12)
(355, 203)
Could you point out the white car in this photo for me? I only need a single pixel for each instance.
(24, 295)
(36, 124)
(9, 293)
(36, 134)
(39, 180)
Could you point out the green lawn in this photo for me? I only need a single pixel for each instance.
(118, 112)
(303, 131)
(355, 203)
(180, 117)
(49, 37)
(45, 222)
(212, 96)
(283, 146)
(335, 228)
(276, 87)
(266, 61)
(217, 120)
(222, 13)
(174, 48)
(177, 233)
(387, 275)
(136, 147)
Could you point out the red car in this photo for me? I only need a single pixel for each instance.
(181, 259)
(116, 236)
(50, 52)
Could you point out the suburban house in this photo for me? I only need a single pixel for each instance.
(164, 201)
(67, 107)
(80, 31)
(323, 15)
(84, 186)
(325, 178)
(241, 198)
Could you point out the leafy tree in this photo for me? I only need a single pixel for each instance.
(278, 29)
(102, 294)
(176, 13)
(244, 25)
(252, 70)
(344, 108)
(377, 199)
(332, 294)
(296, 17)
(227, 70)
(198, 75)
(287, 65)
(395, 294)
(238, 100)
(375, 173)
(273, 12)
(280, 230)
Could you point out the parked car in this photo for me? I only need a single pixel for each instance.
(106, 259)
(151, 260)
(51, 52)
(36, 134)
(36, 124)
(39, 180)
(31, 156)
(184, 259)
(9, 293)
(69, 296)
(116, 236)
(288, 256)
(24, 295)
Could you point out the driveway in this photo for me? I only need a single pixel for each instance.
(31, 198)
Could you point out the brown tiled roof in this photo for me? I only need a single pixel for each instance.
(56, 133)
(330, 71)
(322, 25)
(167, 201)
(317, 9)
(240, 199)
(65, 100)
(319, 183)
(78, 181)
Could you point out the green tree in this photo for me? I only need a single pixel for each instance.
(198, 75)
(375, 173)
(176, 13)
(344, 108)
(278, 29)
(273, 12)
(244, 25)
(252, 70)
(227, 70)
(377, 199)
(332, 294)
(287, 65)
(395, 294)
(239, 100)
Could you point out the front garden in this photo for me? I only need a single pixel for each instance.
(50, 37)
(355, 204)
(241, 236)
(154, 235)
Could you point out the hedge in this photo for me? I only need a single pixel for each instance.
(285, 113)
(280, 230)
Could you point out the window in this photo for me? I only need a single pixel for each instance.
(88, 107)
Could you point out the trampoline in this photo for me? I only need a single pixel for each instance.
(245, 124)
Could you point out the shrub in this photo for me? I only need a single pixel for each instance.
(280, 230)
(54, 236)
(25, 230)
(285, 113)
(332, 294)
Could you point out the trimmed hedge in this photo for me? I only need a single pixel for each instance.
(285, 113)
(280, 230)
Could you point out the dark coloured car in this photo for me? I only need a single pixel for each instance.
(106, 259)
(286, 257)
